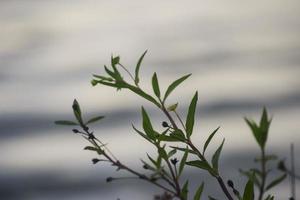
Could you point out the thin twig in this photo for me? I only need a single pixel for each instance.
(293, 181)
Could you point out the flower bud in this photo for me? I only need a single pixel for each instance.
(165, 124)
(230, 183)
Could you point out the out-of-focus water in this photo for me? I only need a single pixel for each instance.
(243, 56)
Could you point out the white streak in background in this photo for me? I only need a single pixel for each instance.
(238, 52)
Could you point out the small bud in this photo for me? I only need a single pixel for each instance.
(142, 177)
(153, 179)
(94, 82)
(109, 179)
(174, 161)
(172, 107)
(91, 136)
(235, 192)
(95, 160)
(75, 131)
(145, 166)
(281, 166)
(230, 183)
(165, 124)
(85, 128)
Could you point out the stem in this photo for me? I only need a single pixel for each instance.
(189, 142)
(218, 177)
(117, 163)
(163, 108)
(263, 174)
(179, 118)
(128, 72)
(224, 188)
(178, 189)
(293, 181)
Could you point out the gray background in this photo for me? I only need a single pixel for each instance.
(243, 55)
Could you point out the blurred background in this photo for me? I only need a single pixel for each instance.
(243, 55)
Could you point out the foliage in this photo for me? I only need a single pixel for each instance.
(175, 148)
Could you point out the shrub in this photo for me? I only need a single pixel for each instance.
(166, 168)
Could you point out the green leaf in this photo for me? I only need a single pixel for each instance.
(178, 134)
(137, 68)
(269, 197)
(260, 132)
(155, 85)
(174, 85)
(65, 122)
(143, 94)
(199, 192)
(147, 126)
(148, 165)
(255, 131)
(152, 160)
(276, 181)
(190, 119)
(216, 156)
(94, 119)
(199, 164)
(251, 175)
(171, 153)
(111, 73)
(185, 190)
(264, 126)
(77, 112)
(162, 152)
(90, 148)
(209, 139)
(183, 161)
(184, 149)
(142, 134)
(249, 191)
(167, 138)
(115, 60)
(102, 77)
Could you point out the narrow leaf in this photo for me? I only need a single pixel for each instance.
(209, 139)
(178, 134)
(199, 192)
(90, 148)
(143, 94)
(190, 119)
(183, 161)
(142, 134)
(199, 164)
(171, 153)
(102, 77)
(249, 191)
(147, 126)
(155, 85)
(174, 85)
(264, 126)
(94, 119)
(216, 156)
(65, 122)
(184, 191)
(255, 131)
(137, 68)
(276, 181)
(77, 111)
(152, 160)
(184, 149)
